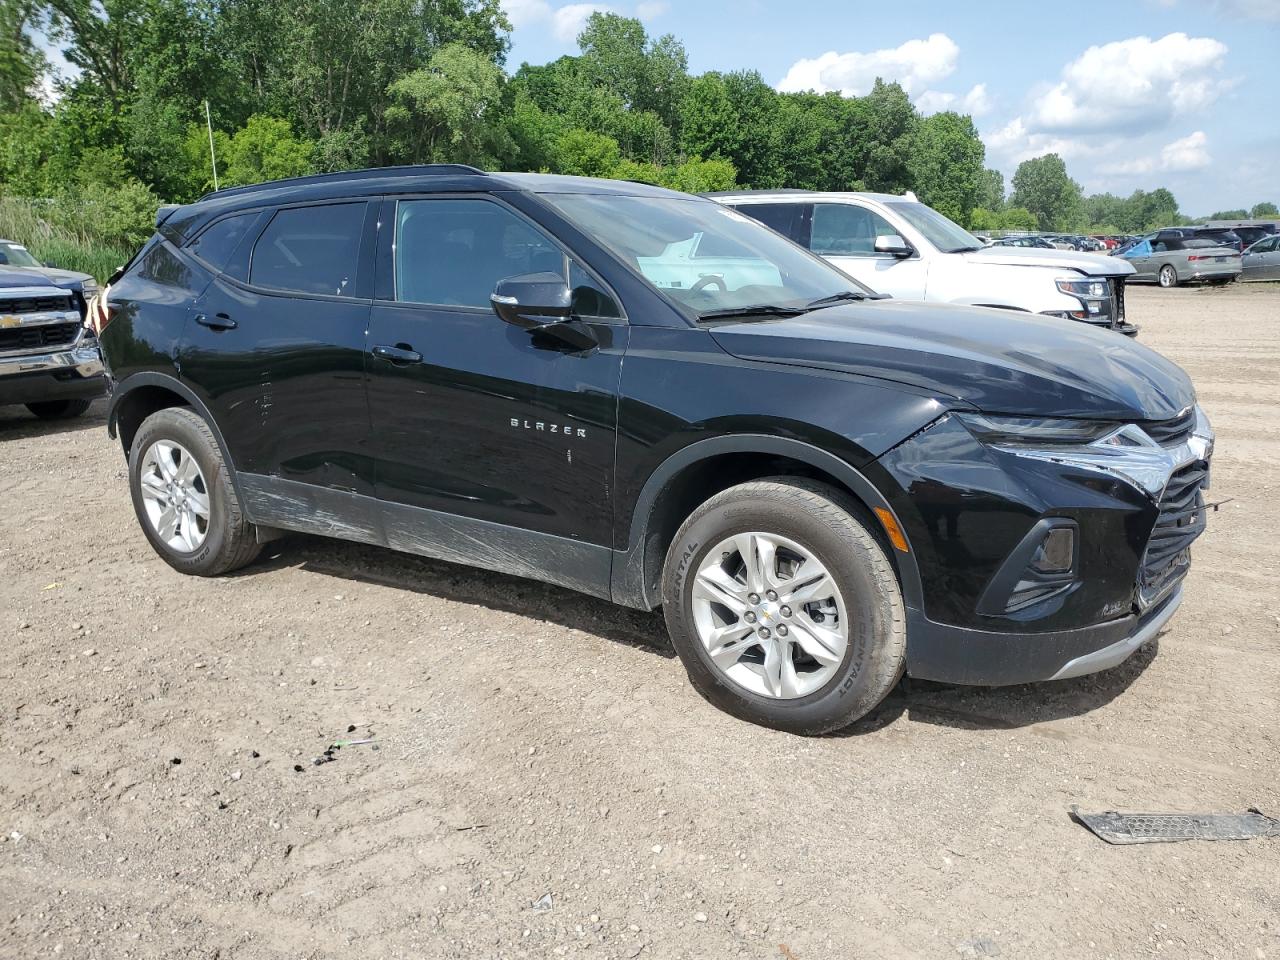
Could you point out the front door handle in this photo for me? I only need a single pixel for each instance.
(400, 353)
(219, 321)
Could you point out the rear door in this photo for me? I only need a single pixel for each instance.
(1139, 256)
(275, 345)
(475, 418)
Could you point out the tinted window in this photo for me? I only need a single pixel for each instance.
(310, 249)
(454, 252)
(217, 242)
(786, 218)
(841, 229)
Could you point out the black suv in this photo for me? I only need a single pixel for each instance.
(651, 398)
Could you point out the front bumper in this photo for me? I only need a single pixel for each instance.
(70, 374)
(938, 651)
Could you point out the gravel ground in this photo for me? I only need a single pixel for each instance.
(543, 780)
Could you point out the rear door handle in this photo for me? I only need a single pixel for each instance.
(217, 322)
(400, 353)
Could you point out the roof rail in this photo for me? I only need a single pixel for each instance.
(369, 173)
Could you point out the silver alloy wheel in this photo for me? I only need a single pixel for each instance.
(175, 495)
(770, 616)
(1168, 276)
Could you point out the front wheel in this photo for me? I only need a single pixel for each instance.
(1168, 276)
(784, 607)
(58, 409)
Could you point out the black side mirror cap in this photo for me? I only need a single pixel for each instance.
(533, 300)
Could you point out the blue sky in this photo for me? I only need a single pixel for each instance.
(1132, 93)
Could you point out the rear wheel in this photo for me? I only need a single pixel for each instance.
(184, 497)
(784, 607)
(58, 409)
(1168, 276)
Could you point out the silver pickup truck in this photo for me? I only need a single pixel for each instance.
(48, 360)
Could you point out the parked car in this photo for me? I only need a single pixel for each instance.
(82, 286)
(1262, 260)
(651, 398)
(1170, 259)
(910, 251)
(1250, 235)
(1039, 243)
(48, 360)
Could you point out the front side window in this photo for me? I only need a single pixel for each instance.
(310, 250)
(216, 243)
(704, 256)
(454, 252)
(846, 230)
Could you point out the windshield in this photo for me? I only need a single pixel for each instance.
(947, 236)
(706, 257)
(16, 255)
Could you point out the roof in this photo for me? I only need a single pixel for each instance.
(790, 192)
(434, 177)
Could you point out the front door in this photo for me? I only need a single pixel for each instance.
(478, 419)
(1141, 257)
(276, 346)
(845, 234)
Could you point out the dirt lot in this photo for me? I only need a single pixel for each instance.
(158, 796)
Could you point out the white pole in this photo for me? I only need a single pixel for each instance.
(212, 159)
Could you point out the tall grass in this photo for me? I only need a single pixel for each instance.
(75, 233)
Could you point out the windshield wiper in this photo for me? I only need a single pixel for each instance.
(834, 299)
(962, 249)
(753, 310)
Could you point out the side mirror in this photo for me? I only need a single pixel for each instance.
(533, 300)
(892, 244)
(51, 264)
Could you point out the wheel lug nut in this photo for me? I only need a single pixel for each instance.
(764, 633)
(785, 611)
(753, 597)
(751, 617)
(772, 594)
(782, 631)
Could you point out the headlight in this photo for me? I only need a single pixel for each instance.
(1085, 289)
(1034, 430)
(88, 289)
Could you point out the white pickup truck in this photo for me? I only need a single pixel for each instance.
(900, 247)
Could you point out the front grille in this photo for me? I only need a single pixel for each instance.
(1181, 520)
(33, 338)
(1171, 433)
(59, 301)
(1117, 299)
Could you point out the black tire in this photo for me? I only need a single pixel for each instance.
(1168, 276)
(825, 522)
(230, 542)
(59, 409)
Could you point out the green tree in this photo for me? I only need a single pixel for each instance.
(698, 176)
(1229, 215)
(585, 154)
(1018, 218)
(1043, 187)
(645, 74)
(265, 149)
(21, 62)
(446, 111)
(945, 164)
(1264, 209)
(990, 190)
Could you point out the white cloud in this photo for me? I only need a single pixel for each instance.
(567, 21)
(976, 102)
(916, 64)
(1132, 84)
(1189, 153)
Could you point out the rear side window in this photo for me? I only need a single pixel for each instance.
(842, 229)
(216, 243)
(310, 250)
(454, 252)
(787, 218)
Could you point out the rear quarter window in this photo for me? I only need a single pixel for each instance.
(215, 244)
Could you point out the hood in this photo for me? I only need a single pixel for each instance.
(1092, 264)
(997, 361)
(23, 277)
(62, 278)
